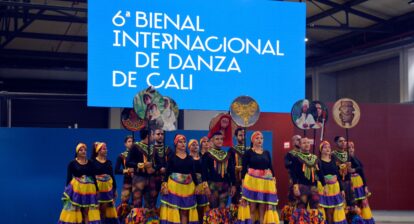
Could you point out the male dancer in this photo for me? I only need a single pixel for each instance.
(122, 169)
(236, 154)
(161, 155)
(141, 159)
(217, 176)
(287, 210)
(344, 164)
(305, 174)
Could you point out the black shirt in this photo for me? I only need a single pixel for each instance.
(136, 155)
(211, 172)
(342, 158)
(330, 168)
(198, 165)
(288, 158)
(183, 166)
(104, 168)
(256, 161)
(359, 168)
(288, 161)
(236, 154)
(298, 176)
(240, 150)
(161, 155)
(75, 169)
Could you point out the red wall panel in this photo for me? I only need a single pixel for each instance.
(384, 141)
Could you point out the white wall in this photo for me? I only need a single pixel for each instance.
(198, 119)
(115, 118)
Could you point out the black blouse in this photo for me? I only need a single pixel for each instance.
(104, 168)
(209, 172)
(75, 169)
(298, 176)
(330, 168)
(184, 166)
(256, 161)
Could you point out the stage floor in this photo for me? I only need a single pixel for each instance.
(395, 217)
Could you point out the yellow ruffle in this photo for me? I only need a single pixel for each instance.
(259, 185)
(339, 214)
(94, 215)
(271, 217)
(73, 216)
(243, 213)
(172, 215)
(366, 211)
(83, 188)
(182, 190)
(105, 186)
(333, 189)
(110, 212)
(320, 188)
(169, 214)
(356, 181)
(193, 215)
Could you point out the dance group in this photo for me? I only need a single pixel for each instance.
(197, 186)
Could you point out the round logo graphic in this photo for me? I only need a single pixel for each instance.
(131, 121)
(244, 111)
(149, 105)
(346, 113)
(301, 115)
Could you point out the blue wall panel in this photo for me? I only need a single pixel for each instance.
(33, 165)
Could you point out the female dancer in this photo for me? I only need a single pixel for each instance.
(259, 183)
(178, 200)
(359, 186)
(204, 144)
(106, 183)
(331, 195)
(80, 204)
(202, 200)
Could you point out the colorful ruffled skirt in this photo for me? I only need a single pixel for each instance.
(105, 188)
(106, 196)
(259, 186)
(202, 200)
(245, 217)
(180, 196)
(339, 215)
(333, 198)
(79, 194)
(366, 213)
(358, 187)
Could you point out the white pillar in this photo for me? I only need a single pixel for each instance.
(407, 75)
